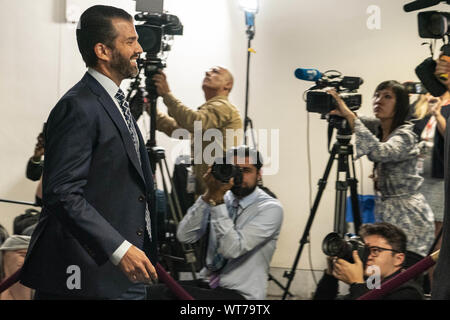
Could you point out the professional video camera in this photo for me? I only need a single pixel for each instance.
(432, 25)
(334, 245)
(319, 101)
(156, 31)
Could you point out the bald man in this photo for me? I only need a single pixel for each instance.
(216, 113)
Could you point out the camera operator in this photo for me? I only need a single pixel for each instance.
(217, 112)
(242, 224)
(390, 143)
(386, 245)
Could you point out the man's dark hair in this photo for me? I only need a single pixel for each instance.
(393, 235)
(402, 110)
(96, 26)
(244, 152)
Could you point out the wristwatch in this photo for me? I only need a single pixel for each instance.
(215, 203)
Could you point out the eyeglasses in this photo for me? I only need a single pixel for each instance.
(375, 251)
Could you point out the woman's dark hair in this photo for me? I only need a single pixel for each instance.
(402, 109)
(96, 26)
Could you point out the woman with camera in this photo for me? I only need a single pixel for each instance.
(389, 141)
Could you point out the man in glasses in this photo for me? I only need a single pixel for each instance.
(386, 248)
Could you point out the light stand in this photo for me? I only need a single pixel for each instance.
(250, 10)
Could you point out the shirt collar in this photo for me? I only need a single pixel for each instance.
(247, 200)
(105, 82)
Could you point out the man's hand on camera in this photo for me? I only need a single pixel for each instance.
(215, 188)
(137, 267)
(342, 110)
(160, 80)
(349, 272)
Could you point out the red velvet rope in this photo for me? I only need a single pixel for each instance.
(8, 282)
(162, 274)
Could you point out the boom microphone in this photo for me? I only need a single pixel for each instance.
(420, 4)
(307, 74)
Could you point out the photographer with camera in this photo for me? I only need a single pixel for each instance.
(390, 143)
(241, 223)
(383, 247)
(216, 113)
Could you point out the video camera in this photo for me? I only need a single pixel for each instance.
(432, 25)
(319, 101)
(155, 33)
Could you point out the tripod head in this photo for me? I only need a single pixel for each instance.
(344, 132)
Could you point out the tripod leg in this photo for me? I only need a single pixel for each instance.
(188, 253)
(353, 183)
(305, 238)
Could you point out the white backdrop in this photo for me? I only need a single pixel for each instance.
(40, 61)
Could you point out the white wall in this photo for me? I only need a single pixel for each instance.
(39, 61)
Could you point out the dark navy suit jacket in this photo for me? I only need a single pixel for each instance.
(94, 194)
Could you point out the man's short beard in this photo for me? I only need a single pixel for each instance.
(242, 192)
(123, 66)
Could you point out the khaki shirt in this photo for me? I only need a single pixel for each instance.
(216, 113)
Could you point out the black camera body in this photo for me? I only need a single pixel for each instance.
(433, 24)
(153, 31)
(334, 245)
(319, 101)
(223, 171)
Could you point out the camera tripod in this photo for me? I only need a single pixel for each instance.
(342, 151)
(158, 160)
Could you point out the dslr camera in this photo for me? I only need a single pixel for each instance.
(334, 245)
(223, 170)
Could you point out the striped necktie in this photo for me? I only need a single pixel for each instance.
(120, 97)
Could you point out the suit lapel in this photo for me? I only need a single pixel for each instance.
(108, 104)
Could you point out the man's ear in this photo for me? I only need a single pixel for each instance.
(103, 52)
(399, 259)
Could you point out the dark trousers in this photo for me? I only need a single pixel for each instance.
(135, 292)
(198, 289)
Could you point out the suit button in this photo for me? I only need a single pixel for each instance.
(140, 232)
(141, 198)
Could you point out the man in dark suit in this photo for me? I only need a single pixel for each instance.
(96, 236)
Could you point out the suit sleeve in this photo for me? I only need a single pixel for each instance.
(71, 138)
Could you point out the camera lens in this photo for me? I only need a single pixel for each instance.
(333, 244)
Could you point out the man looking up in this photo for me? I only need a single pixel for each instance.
(216, 113)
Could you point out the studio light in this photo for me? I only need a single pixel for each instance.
(250, 6)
